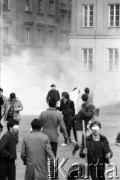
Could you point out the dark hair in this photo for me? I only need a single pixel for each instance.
(87, 90)
(12, 95)
(84, 97)
(36, 124)
(53, 85)
(90, 107)
(1, 89)
(74, 88)
(11, 123)
(65, 94)
(95, 122)
(52, 103)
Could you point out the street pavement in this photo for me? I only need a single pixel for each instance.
(110, 119)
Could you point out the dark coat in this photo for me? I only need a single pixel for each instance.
(53, 94)
(91, 152)
(8, 147)
(82, 115)
(67, 108)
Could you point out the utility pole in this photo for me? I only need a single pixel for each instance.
(1, 33)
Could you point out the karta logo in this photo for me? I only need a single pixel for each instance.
(79, 170)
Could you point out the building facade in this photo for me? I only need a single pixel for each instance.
(95, 41)
(35, 24)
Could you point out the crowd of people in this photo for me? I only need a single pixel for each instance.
(42, 140)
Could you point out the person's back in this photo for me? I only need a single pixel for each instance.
(35, 149)
(50, 120)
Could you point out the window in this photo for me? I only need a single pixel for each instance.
(39, 36)
(51, 37)
(114, 15)
(63, 19)
(28, 36)
(5, 35)
(88, 15)
(88, 59)
(113, 59)
(6, 4)
(51, 7)
(40, 6)
(28, 7)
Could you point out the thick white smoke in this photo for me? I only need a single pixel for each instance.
(30, 78)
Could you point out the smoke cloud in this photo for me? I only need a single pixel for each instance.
(30, 77)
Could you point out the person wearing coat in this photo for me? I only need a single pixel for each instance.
(35, 149)
(8, 153)
(98, 152)
(13, 106)
(2, 103)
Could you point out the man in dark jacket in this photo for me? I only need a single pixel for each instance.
(53, 94)
(8, 152)
(68, 111)
(97, 151)
(2, 103)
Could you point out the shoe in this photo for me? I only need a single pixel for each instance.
(63, 144)
(76, 147)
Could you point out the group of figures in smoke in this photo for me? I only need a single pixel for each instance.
(42, 139)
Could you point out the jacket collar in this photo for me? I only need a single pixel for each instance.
(50, 108)
(90, 137)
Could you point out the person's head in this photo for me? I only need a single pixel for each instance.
(87, 90)
(12, 126)
(35, 124)
(84, 97)
(1, 127)
(95, 127)
(1, 92)
(12, 96)
(74, 88)
(52, 103)
(65, 95)
(53, 86)
(90, 107)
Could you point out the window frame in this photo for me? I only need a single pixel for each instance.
(114, 67)
(88, 16)
(114, 16)
(87, 66)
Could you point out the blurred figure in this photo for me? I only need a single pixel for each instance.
(13, 106)
(117, 141)
(53, 94)
(8, 152)
(97, 151)
(50, 120)
(1, 129)
(68, 111)
(2, 103)
(90, 95)
(35, 149)
(75, 97)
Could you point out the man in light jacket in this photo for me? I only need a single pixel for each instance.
(35, 149)
(13, 106)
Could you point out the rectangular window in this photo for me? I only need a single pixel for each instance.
(87, 15)
(113, 59)
(39, 36)
(114, 15)
(51, 7)
(28, 36)
(51, 37)
(6, 4)
(5, 35)
(28, 6)
(40, 6)
(88, 59)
